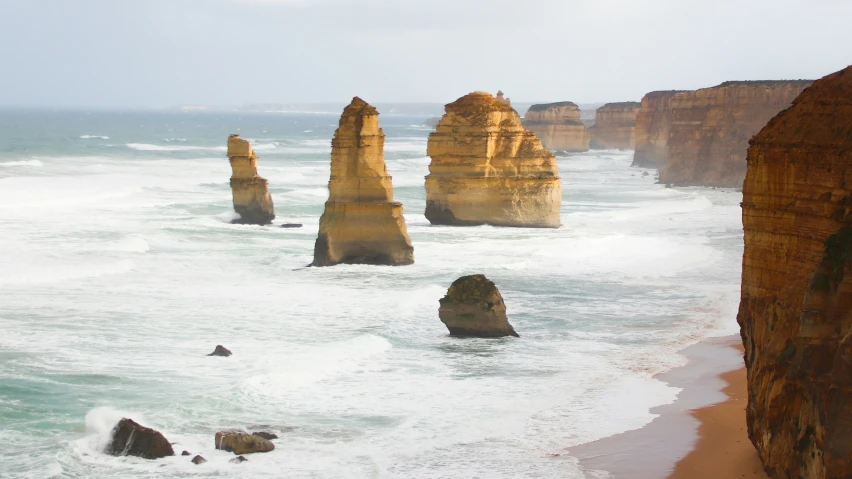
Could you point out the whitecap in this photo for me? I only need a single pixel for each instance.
(99, 137)
(35, 163)
(150, 147)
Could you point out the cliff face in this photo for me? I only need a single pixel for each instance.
(488, 169)
(796, 307)
(361, 223)
(251, 192)
(558, 126)
(653, 123)
(615, 125)
(711, 127)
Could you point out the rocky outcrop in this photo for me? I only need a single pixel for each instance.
(199, 459)
(361, 223)
(242, 443)
(474, 307)
(796, 307)
(251, 192)
(615, 126)
(653, 123)
(488, 169)
(129, 438)
(558, 126)
(220, 350)
(711, 127)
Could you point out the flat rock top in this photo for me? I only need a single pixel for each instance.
(569, 105)
(820, 115)
(478, 100)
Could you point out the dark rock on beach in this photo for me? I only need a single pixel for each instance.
(238, 460)
(185, 453)
(221, 351)
(198, 460)
(291, 225)
(266, 435)
(132, 439)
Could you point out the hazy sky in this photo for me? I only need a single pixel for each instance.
(151, 53)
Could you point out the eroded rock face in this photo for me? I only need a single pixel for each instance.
(558, 126)
(361, 223)
(653, 123)
(242, 443)
(796, 307)
(711, 128)
(474, 307)
(251, 192)
(615, 126)
(129, 438)
(488, 169)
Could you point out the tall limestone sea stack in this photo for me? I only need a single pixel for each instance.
(796, 307)
(558, 126)
(361, 223)
(711, 127)
(251, 192)
(615, 125)
(488, 169)
(653, 123)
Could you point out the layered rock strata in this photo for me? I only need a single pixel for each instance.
(487, 168)
(653, 123)
(251, 192)
(558, 126)
(711, 127)
(796, 308)
(361, 223)
(474, 307)
(130, 438)
(615, 126)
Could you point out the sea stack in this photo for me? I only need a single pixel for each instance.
(796, 307)
(251, 192)
(558, 126)
(474, 307)
(361, 223)
(653, 123)
(488, 169)
(711, 127)
(130, 438)
(615, 125)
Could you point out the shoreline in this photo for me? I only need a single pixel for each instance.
(702, 434)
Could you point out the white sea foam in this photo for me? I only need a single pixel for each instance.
(150, 147)
(89, 137)
(35, 163)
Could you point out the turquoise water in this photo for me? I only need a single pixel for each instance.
(120, 271)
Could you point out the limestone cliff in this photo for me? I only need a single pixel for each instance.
(711, 127)
(361, 223)
(488, 169)
(615, 125)
(558, 126)
(251, 192)
(653, 123)
(796, 307)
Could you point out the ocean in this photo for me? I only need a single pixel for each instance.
(120, 271)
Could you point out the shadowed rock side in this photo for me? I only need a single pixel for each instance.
(251, 192)
(796, 307)
(474, 307)
(361, 223)
(487, 168)
(711, 127)
(615, 125)
(653, 123)
(558, 126)
(129, 438)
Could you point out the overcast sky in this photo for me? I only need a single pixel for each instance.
(153, 53)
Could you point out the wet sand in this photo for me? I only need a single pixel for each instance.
(701, 435)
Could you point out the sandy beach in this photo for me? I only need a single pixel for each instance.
(701, 435)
